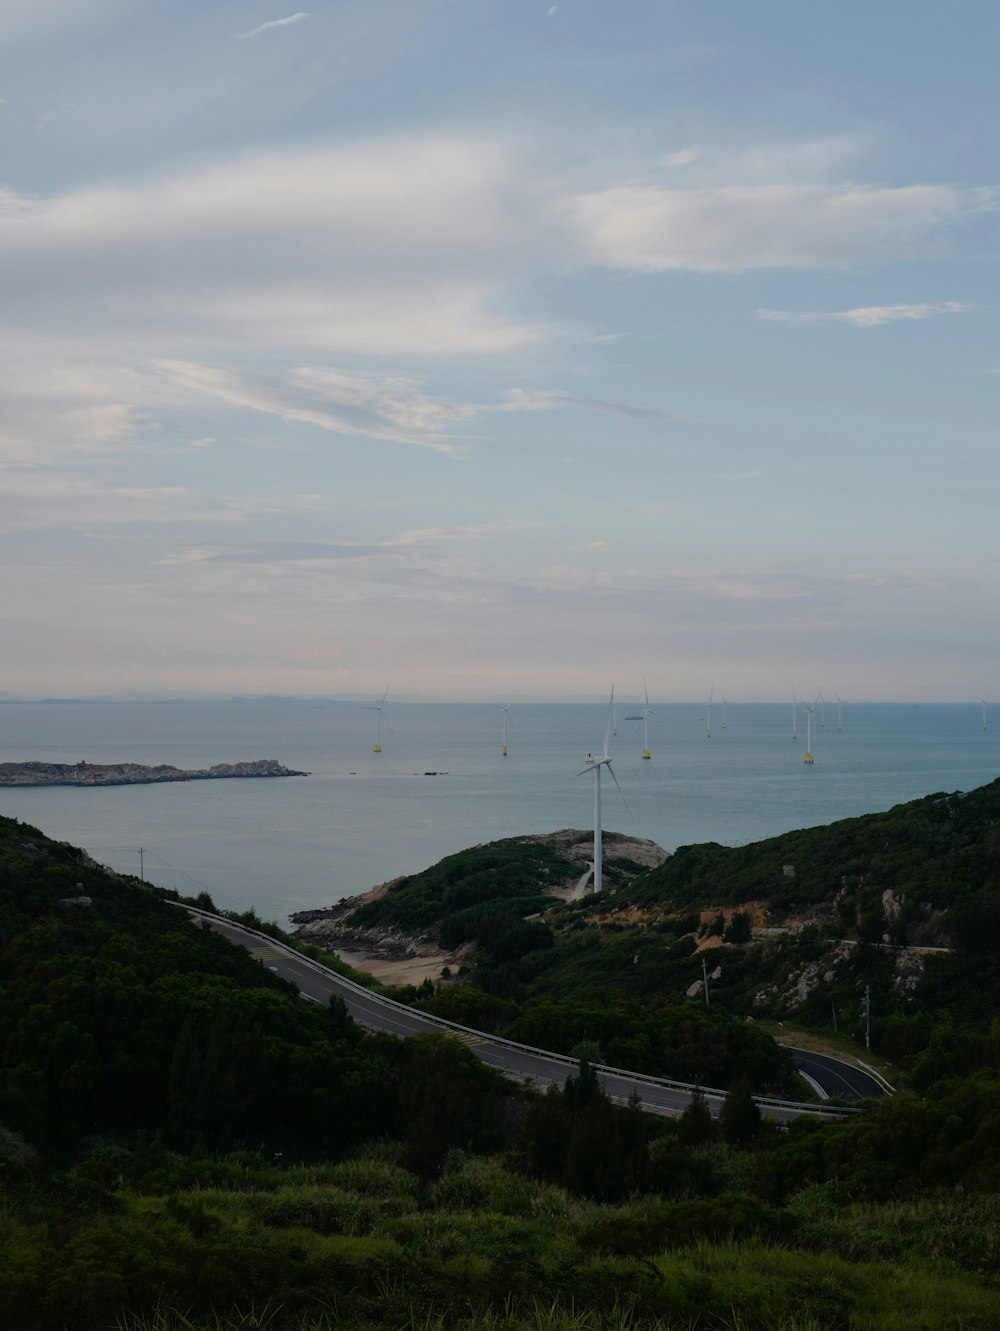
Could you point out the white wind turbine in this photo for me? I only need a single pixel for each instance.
(840, 711)
(644, 716)
(594, 765)
(725, 723)
(379, 718)
(822, 709)
(508, 722)
(809, 733)
(984, 701)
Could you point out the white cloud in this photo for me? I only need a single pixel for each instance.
(683, 157)
(273, 23)
(339, 403)
(64, 411)
(392, 246)
(650, 228)
(414, 245)
(473, 531)
(555, 399)
(424, 320)
(868, 316)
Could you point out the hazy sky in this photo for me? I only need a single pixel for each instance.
(476, 345)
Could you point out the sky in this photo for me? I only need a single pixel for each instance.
(482, 346)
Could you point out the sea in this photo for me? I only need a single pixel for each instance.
(442, 784)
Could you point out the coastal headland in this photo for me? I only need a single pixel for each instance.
(397, 955)
(131, 774)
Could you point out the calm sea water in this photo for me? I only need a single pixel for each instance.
(362, 817)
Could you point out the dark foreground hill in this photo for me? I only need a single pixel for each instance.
(186, 1145)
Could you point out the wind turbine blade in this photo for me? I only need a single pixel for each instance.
(385, 722)
(620, 791)
(645, 690)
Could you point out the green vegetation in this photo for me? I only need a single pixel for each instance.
(187, 1146)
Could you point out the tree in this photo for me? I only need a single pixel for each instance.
(740, 1117)
(696, 1124)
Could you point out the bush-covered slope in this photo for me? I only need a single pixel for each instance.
(939, 850)
(119, 1014)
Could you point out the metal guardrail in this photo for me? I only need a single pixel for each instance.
(710, 1092)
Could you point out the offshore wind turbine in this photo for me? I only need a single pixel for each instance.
(594, 765)
(508, 721)
(809, 733)
(725, 723)
(644, 716)
(822, 709)
(984, 701)
(379, 718)
(840, 711)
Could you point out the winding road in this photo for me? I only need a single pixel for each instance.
(317, 983)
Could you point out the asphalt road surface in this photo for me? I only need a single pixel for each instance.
(839, 1079)
(371, 1010)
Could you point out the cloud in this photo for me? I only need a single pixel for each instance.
(868, 316)
(473, 531)
(64, 411)
(652, 228)
(399, 246)
(555, 399)
(31, 502)
(390, 246)
(280, 552)
(360, 404)
(273, 23)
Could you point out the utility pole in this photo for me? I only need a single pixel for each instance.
(704, 979)
(868, 1016)
(142, 874)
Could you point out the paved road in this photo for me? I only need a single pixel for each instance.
(837, 1078)
(317, 983)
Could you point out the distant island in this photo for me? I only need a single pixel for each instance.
(130, 774)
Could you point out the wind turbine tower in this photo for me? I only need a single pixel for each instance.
(379, 718)
(725, 723)
(644, 716)
(984, 701)
(840, 711)
(594, 765)
(508, 721)
(809, 733)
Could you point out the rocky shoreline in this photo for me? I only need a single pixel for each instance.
(132, 774)
(324, 928)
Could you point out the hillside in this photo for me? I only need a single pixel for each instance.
(904, 904)
(187, 1146)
